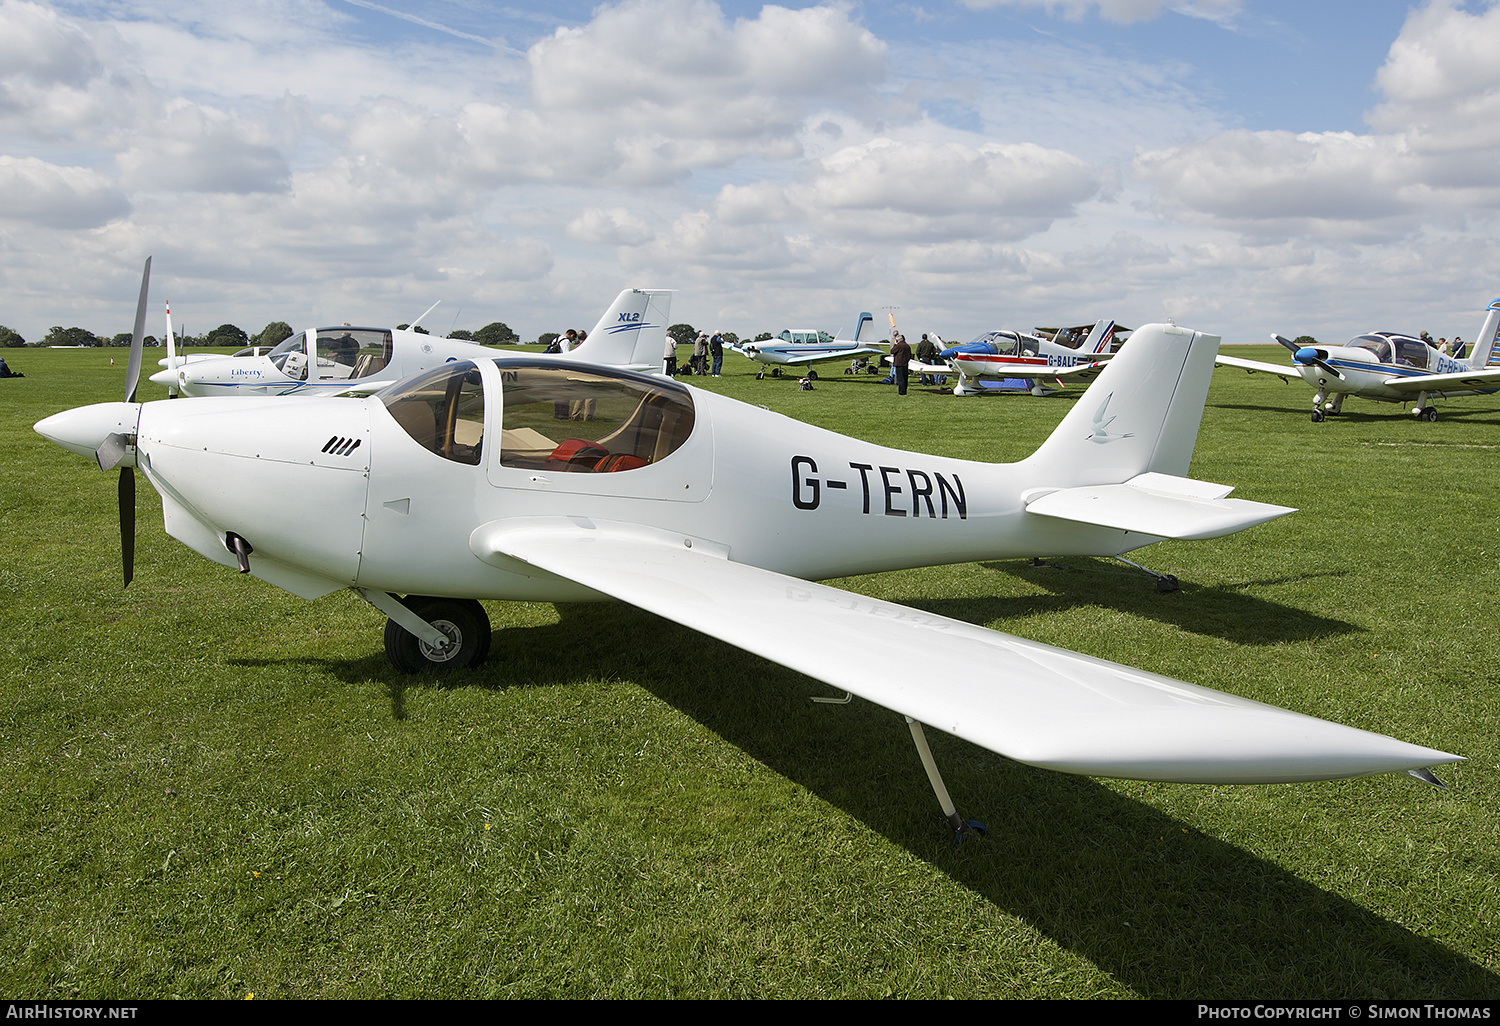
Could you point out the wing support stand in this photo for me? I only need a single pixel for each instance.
(961, 827)
(414, 624)
(1164, 582)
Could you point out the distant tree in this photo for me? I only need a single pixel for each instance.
(683, 334)
(462, 334)
(546, 337)
(10, 339)
(1304, 340)
(274, 334)
(60, 336)
(121, 340)
(730, 338)
(495, 333)
(228, 335)
(764, 336)
(418, 329)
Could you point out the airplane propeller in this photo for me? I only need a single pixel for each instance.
(1306, 355)
(116, 445)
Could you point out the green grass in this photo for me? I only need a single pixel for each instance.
(214, 789)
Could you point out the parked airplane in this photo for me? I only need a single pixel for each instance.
(1072, 354)
(345, 359)
(513, 477)
(804, 347)
(1388, 367)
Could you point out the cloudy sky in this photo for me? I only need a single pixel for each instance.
(1242, 166)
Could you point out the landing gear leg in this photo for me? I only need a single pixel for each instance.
(961, 827)
(1164, 582)
(1318, 401)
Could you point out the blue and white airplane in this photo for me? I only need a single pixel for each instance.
(804, 347)
(1388, 367)
(362, 361)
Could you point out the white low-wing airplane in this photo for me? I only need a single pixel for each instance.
(344, 360)
(805, 347)
(1071, 357)
(1388, 367)
(512, 477)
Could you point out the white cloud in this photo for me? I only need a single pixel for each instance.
(1122, 11)
(614, 227)
(57, 197)
(200, 149)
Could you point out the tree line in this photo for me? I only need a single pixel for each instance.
(230, 336)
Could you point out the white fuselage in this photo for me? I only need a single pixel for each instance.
(334, 492)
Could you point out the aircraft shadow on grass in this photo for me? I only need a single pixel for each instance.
(1147, 898)
(1220, 612)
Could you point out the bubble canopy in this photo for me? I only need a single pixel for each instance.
(556, 416)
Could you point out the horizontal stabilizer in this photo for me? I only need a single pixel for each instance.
(1156, 504)
(1031, 702)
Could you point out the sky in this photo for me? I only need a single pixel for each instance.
(1239, 166)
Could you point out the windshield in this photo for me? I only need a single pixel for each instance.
(296, 344)
(443, 410)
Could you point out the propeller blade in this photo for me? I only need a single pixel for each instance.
(1287, 344)
(171, 356)
(133, 371)
(1333, 371)
(127, 522)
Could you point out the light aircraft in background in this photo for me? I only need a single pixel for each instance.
(1070, 355)
(351, 360)
(1388, 367)
(805, 347)
(514, 477)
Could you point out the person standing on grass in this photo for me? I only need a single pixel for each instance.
(900, 360)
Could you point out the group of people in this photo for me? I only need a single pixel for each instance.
(1454, 349)
(706, 348)
(567, 341)
(901, 357)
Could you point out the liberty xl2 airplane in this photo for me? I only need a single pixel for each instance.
(349, 360)
(1388, 367)
(511, 477)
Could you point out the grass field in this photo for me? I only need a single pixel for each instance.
(214, 789)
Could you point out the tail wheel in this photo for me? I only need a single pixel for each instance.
(465, 623)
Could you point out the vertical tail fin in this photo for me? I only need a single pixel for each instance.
(1100, 338)
(861, 323)
(1487, 343)
(632, 332)
(1141, 414)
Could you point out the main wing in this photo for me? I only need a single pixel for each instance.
(853, 352)
(1031, 702)
(1282, 371)
(1459, 383)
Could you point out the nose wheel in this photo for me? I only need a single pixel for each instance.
(463, 625)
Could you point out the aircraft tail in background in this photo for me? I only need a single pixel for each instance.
(632, 332)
